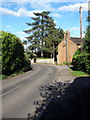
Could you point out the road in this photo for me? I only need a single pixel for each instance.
(19, 93)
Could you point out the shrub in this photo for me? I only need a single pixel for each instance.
(13, 58)
(81, 62)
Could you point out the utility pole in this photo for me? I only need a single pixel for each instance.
(80, 11)
(66, 46)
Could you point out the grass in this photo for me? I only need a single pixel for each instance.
(14, 74)
(64, 63)
(3, 76)
(0, 77)
(43, 58)
(79, 73)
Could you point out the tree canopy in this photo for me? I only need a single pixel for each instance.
(81, 59)
(44, 37)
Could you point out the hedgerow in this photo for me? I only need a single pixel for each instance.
(13, 57)
(81, 62)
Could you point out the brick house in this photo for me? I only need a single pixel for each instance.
(67, 48)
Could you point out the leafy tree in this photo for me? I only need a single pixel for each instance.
(52, 41)
(44, 37)
(81, 60)
(13, 58)
(87, 40)
(0, 54)
(87, 34)
(40, 27)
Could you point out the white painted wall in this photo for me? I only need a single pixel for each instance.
(49, 61)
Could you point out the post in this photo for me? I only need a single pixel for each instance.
(80, 11)
(66, 46)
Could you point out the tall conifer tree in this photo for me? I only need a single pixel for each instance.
(43, 36)
(40, 27)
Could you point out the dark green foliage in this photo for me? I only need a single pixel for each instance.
(13, 58)
(52, 41)
(87, 40)
(44, 37)
(81, 62)
(26, 65)
(40, 27)
(0, 54)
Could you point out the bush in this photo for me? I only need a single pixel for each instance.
(13, 58)
(81, 62)
(0, 56)
(26, 65)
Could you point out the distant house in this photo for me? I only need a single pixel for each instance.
(67, 48)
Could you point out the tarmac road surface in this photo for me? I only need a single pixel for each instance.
(19, 93)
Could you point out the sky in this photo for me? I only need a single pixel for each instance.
(16, 13)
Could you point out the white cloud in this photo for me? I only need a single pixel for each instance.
(22, 35)
(8, 12)
(47, 4)
(20, 12)
(42, 6)
(56, 15)
(47, 1)
(22, 38)
(74, 7)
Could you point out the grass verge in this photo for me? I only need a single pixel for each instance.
(43, 58)
(79, 73)
(14, 74)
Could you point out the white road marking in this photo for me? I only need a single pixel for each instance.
(11, 90)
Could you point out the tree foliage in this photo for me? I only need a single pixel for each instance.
(52, 41)
(43, 34)
(87, 40)
(81, 60)
(13, 58)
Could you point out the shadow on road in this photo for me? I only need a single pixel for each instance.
(73, 104)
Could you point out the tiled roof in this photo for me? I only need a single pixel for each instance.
(76, 40)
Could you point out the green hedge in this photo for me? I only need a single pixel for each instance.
(13, 57)
(81, 62)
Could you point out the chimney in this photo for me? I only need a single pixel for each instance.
(68, 35)
(64, 37)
